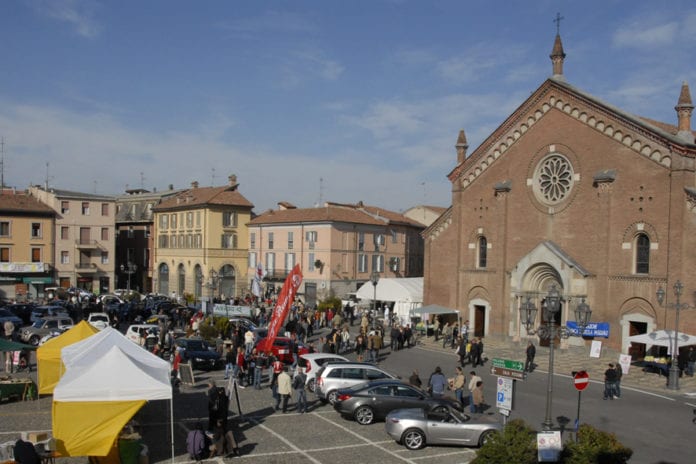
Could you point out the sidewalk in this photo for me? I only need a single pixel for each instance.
(575, 358)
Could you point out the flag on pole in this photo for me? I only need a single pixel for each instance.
(258, 278)
(280, 311)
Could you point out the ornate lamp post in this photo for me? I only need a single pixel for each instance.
(129, 269)
(673, 380)
(374, 279)
(547, 330)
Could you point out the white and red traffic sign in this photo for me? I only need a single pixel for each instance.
(581, 380)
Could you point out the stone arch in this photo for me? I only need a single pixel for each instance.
(632, 230)
(635, 310)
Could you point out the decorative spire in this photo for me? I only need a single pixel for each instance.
(461, 146)
(557, 55)
(684, 109)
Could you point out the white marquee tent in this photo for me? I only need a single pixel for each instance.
(406, 293)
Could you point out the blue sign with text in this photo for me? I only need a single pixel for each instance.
(593, 329)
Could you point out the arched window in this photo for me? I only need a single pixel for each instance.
(642, 254)
(482, 252)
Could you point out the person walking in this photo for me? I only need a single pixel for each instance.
(617, 382)
(437, 383)
(284, 388)
(415, 379)
(477, 395)
(473, 380)
(446, 334)
(298, 384)
(230, 360)
(458, 385)
(609, 382)
(690, 361)
(531, 353)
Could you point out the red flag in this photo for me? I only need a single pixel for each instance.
(287, 295)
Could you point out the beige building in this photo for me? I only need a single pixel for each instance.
(572, 192)
(84, 237)
(201, 242)
(425, 214)
(337, 246)
(26, 246)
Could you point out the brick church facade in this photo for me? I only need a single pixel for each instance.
(570, 191)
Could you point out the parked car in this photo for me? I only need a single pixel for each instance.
(312, 362)
(108, 299)
(7, 315)
(417, 427)
(372, 401)
(198, 353)
(22, 311)
(43, 326)
(335, 376)
(138, 333)
(99, 320)
(247, 324)
(281, 348)
(52, 310)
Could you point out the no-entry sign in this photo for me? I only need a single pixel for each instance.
(581, 380)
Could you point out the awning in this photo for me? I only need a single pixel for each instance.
(664, 338)
(434, 309)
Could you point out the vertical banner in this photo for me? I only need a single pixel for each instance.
(287, 295)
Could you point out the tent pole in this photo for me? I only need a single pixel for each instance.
(171, 423)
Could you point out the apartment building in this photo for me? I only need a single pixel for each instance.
(338, 247)
(26, 246)
(84, 238)
(201, 242)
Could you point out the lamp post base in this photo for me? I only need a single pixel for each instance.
(673, 379)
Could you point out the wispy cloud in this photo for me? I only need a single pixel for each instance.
(270, 21)
(478, 61)
(78, 13)
(640, 35)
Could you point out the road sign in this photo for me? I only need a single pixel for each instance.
(502, 372)
(508, 364)
(504, 393)
(581, 380)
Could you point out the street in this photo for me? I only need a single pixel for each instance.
(658, 428)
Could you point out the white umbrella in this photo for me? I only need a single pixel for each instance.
(664, 338)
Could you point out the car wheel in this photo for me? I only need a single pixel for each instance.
(311, 385)
(413, 439)
(486, 437)
(34, 340)
(364, 415)
(332, 397)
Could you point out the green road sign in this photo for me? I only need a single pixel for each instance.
(508, 364)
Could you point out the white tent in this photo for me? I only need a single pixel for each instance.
(108, 379)
(406, 293)
(664, 338)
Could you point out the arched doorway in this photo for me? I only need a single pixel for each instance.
(198, 283)
(163, 278)
(228, 281)
(536, 284)
(181, 281)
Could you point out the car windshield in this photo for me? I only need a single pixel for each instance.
(38, 324)
(195, 345)
(98, 317)
(5, 313)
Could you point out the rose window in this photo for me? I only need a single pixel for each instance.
(554, 179)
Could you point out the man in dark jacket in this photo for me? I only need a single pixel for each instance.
(609, 382)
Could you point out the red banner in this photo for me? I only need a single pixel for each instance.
(287, 295)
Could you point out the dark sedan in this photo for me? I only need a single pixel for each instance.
(198, 353)
(371, 401)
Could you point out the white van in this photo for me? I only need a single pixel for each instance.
(137, 333)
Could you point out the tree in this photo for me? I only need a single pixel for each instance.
(516, 443)
(595, 447)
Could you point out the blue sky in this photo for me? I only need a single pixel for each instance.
(369, 96)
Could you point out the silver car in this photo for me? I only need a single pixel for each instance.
(333, 376)
(414, 428)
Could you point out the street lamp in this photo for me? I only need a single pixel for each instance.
(673, 380)
(547, 330)
(129, 269)
(374, 279)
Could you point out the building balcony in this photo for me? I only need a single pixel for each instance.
(88, 244)
(86, 267)
(276, 274)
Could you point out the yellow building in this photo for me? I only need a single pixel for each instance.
(201, 243)
(27, 246)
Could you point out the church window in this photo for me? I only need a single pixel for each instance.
(482, 252)
(642, 254)
(553, 179)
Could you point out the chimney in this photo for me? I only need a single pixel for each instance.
(684, 109)
(194, 184)
(171, 186)
(557, 57)
(461, 146)
(232, 179)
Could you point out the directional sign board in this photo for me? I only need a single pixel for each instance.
(508, 368)
(504, 394)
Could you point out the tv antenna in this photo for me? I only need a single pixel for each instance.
(2, 163)
(48, 177)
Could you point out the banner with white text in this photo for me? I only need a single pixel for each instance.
(280, 311)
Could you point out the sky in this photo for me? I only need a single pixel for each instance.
(306, 101)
